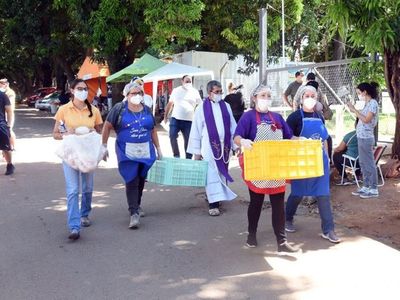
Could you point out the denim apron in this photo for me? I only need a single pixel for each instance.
(313, 128)
(134, 145)
(266, 130)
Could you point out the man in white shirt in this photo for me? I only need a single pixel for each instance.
(184, 100)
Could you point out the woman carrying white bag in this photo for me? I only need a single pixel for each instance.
(79, 119)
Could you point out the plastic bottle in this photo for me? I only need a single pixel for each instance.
(62, 127)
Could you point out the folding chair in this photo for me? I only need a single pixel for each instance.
(378, 152)
(353, 167)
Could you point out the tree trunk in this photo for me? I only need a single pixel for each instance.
(338, 47)
(392, 77)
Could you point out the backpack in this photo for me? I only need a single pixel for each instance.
(391, 169)
(120, 108)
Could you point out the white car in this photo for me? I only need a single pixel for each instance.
(47, 102)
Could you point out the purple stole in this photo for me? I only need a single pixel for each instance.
(214, 137)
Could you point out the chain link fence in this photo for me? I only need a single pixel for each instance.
(338, 81)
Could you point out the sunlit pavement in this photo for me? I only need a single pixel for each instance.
(179, 252)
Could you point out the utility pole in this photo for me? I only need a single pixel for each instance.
(263, 45)
(283, 32)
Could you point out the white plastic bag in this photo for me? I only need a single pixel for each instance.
(82, 152)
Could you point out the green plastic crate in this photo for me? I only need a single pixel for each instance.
(178, 172)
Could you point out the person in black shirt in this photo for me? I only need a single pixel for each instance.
(235, 100)
(6, 125)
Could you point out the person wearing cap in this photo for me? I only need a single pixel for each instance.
(147, 99)
(260, 124)
(211, 139)
(6, 126)
(136, 145)
(182, 102)
(292, 88)
(309, 124)
(5, 87)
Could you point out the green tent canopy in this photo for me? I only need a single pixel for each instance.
(141, 67)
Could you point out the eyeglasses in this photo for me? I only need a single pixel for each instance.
(134, 93)
(81, 89)
(220, 92)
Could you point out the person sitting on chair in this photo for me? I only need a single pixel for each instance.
(348, 146)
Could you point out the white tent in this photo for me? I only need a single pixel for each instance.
(172, 71)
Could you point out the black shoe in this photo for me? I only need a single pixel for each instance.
(74, 234)
(251, 241)
(285, 247)
(9, 169)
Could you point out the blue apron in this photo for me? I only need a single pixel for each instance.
(134, 145)
(313, 128)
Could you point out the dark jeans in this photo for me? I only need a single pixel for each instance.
(278, 214)
(134, 191)
(324, 208)
(338, 162)
(174, 127)
(213, 205)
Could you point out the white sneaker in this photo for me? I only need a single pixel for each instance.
(134, 221)
(371, 193)
(360, 191)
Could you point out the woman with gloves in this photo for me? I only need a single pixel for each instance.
(260, 124)
(306, 123)
(77, 113)
(135, 146)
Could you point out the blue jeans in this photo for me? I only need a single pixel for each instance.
(367, 162)
(72, 184)
(324, 208)
(174, 127)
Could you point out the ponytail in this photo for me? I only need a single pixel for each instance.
(89, 106)
(370, 88)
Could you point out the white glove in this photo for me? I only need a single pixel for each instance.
(246, 144)
(104, 151)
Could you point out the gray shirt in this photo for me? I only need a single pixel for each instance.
(366, 130)
(292, 89)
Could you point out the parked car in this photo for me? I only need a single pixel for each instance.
(48, 101)
(38, 94)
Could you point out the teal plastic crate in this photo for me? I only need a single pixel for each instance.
(178, 172)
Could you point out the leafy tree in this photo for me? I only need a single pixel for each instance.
(375, 26)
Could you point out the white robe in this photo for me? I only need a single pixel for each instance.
(216, 188)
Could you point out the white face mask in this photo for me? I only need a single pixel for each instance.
(187, 85)
(81, 95)
(309, 103)
(217, 97)
(263, 104)
(361, 97)
(137, 99)
(3, 90)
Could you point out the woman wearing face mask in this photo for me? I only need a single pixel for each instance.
(307, 123)
(260, 124)
(367, 120)
(211, 139)
(135, 146)
(77, 113)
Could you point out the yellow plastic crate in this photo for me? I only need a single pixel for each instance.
(284, 159)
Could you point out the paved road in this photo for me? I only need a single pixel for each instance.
(178, 253)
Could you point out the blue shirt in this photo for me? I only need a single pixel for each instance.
(366, 130)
